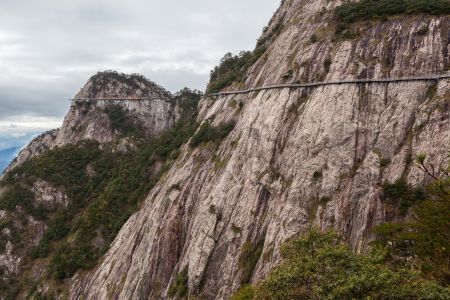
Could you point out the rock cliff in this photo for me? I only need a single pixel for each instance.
(150, 112)
(41, 192)
(295, 158)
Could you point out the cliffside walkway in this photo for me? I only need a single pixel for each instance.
(336, 82)
(118, 99)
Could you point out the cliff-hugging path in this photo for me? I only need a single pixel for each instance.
(293, 85)
(322, 83)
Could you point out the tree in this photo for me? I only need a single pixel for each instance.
(426, 237)
(319, 266)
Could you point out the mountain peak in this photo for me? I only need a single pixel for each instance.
(112, 84)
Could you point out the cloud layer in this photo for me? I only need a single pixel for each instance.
(49, 48)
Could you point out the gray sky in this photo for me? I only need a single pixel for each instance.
(49, 48)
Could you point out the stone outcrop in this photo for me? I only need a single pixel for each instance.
(295, 158)
(49, 196)
(89, 120)
(154, 113)
(39, 145)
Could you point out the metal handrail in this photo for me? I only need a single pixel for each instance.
(335, 82)
(116, 99)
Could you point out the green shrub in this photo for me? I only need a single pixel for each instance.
(324, 200)
(384, 162)
(207, 133)
(233, 68)
(119, 120)
(68, 259)
(423, 30)
(63, 166)
(179, 287)
(3, 242)
(368, 9)
(273, 33)
(431, 91)
(236, 229)
(249, 257)
(427, 236)
(402, 195)
(41, 250)
(100, 202)
(58, 228)
(244, 293)
(19, 195)
(212, 209)
(318, 266)
(232, 103)
(327, 64)
(317, 175)
(9, 287)
(134, 81)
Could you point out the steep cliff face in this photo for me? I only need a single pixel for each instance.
(92, 120)
(150, 112)
(295, 157)
(39, 145)
(70, 190)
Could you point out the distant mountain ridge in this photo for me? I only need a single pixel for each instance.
(6, 156)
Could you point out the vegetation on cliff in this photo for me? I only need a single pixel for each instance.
(424, 239)
(208, 133)
(134, 82)
(368, 9)
(319, 266)
(233, 68)
(104, 187)
(119, 120)
(409, 260)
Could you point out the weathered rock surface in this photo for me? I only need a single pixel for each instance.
(39, 145)
(153, 114)
(88, 119)
(295, 157)
(9, 261)
(49, 196)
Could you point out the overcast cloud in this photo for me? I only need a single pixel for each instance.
(49, 48)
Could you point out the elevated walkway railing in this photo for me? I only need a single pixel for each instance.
(335, 82)
(117, 99)
(291, 86)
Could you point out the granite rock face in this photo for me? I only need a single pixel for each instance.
(88, 118)
(295, 158)
(150, 108)
(90, 121)
(49, 196)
